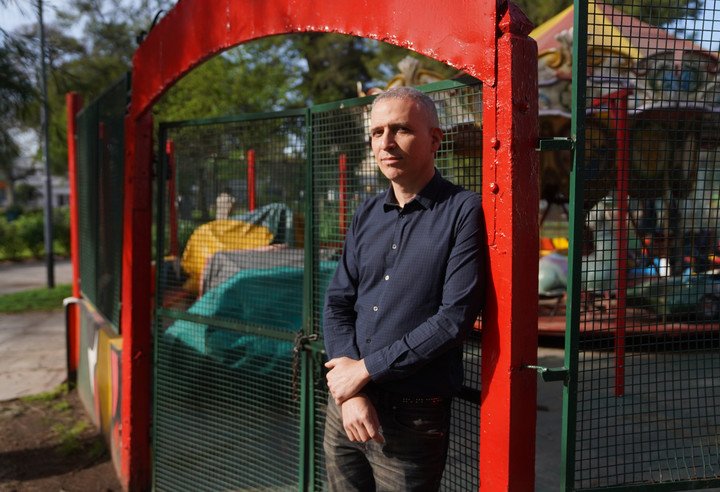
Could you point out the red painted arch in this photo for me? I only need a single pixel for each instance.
(460, 33)
(485, 39)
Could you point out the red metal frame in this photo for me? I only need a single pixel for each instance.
(510, 202)
(74, 103)
(251, 183)
(342, 199)
(467, 36)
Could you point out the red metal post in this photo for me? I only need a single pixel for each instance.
(619, 105)
(172, 198)
(136, 302)
(510, 202)
(342, 203)
(251, 183)
(617, 102)
(74, 103)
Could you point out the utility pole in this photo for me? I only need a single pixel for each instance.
(45, 121)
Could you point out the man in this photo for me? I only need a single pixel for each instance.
(406, 292)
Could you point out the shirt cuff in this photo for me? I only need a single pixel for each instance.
(376, 366)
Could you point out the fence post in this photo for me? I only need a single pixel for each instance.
(172, 198)
(251, 183)
(510, 201)
(342, 198)
(74, 103)
(136, 383)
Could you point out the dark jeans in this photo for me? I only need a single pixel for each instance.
(411, 459)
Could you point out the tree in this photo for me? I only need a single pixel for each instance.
(16, 92)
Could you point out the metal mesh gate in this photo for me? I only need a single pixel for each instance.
(645, 395)
(100, 171)
(230, 301)
(253, 216)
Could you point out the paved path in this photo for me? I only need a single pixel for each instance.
(15, 277)
(32, 345)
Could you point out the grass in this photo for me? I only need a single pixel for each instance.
(35, 299)
(72, 435)
(48, 396)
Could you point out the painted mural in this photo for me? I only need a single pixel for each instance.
(98, 376)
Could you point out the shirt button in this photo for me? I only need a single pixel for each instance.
(394, 246)
(387, 277)
(375, 308)
(367, 341)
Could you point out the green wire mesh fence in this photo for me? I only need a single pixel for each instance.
(647, 386)
(100, 168)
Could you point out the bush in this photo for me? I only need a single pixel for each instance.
(61, 230)
(31, 231)
(10, 243)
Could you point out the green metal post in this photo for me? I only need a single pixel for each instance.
(159, 247)
(307, 401)
(576, 218)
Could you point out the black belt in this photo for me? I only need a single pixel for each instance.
(388, 398)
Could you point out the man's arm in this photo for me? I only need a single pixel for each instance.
(339, 313)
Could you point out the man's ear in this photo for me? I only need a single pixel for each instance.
(437, 135)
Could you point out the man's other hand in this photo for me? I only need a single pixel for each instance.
(346, 377)
(360, 420)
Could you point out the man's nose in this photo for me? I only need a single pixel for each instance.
(387, 140)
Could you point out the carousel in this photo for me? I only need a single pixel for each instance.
(651, 190)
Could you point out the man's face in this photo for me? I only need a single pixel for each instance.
(403, 141)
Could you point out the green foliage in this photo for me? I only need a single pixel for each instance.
(26, 235)
(11, 246)
(248, 79)
(53, 395)
(61, 230)
(30, 229)
(35, 299)
(539, 12)
(25, 194)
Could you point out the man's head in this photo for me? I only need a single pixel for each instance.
(405, 135)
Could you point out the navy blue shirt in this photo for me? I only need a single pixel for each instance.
(408, 288)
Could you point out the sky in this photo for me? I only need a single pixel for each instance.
(21, 12)
(706, 26)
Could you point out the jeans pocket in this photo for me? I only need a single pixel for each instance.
(427, 421)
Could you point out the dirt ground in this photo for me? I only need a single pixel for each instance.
(48, 443)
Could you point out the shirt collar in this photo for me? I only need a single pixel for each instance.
(425, 198)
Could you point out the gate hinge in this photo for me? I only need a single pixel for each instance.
(549, 374)
(556, 143)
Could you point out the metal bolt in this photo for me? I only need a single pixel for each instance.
(495, 143)
(494, 188)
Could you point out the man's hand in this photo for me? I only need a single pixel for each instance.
(360, 420)
(346, 377)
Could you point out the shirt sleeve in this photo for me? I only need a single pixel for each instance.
(340, 298)
(462, 299)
